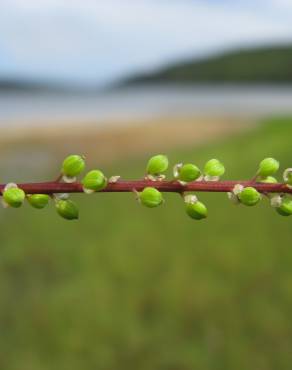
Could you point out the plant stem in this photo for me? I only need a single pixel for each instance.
(164, 186)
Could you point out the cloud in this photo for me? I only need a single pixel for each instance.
(94, 41)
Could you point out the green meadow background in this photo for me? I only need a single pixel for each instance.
(128, 287)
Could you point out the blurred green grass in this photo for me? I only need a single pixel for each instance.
(132, 288)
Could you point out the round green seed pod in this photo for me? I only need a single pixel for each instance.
(157, 164)
(14, 197)
(189, 172)
(94, 180)
(67, 209)
(150, 197)
(214, 168)
(285, 208)
(269, 180)
(73, 165)
(196, 210)
(38, 201)
(268, 167)
(249, 196)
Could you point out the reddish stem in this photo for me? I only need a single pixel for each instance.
(164, 186)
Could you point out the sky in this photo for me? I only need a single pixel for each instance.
(93, 42)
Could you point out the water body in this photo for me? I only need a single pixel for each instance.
(19, 108)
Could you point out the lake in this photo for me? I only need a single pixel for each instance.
(23, 108)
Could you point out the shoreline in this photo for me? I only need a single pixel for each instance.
(152, 102)
(116, 139)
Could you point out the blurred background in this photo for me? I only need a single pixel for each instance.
(127, 287)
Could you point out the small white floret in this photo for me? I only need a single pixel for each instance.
(88, 191)
(10, 185)
(237, 189)
(234, 199)
(287, 176)
(113, 179)
(68, 179)
(150, 177)
(137, 195)
(190, 199)
(287, 173)
(61, 196)
(211, 178)
(176, 170)
(276, 201)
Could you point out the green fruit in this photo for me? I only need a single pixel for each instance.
(214, 168)
(189, 172)
(73, 165)
(38, 201)
(67, 209)
(269, 180)
(14, 197)
(157, 164)
(285, 208)
(268, 167)
(196, 210)
(94, 180)
(249, 196)
(150, 197)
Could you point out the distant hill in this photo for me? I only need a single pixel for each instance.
(257, 65)
(14, 85)
(34, 86)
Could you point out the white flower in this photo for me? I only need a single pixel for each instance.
(287, 176)
(88, 191)
(211, 178)
(190, 199)
(10, 185)
(276, 201)
(176, 169)
(154, 177)
(113, 179)
(61, 196)
(68, 179)
(237, 189)
(234, 199)
(233, 195)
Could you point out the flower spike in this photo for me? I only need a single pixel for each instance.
(148, 191)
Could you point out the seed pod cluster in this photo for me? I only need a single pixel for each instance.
(72, 166)
(185, 178)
